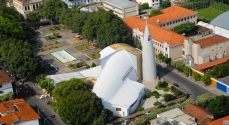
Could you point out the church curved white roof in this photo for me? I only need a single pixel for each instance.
(116, 84)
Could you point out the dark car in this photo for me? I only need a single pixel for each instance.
(176, 85)
(31, 92)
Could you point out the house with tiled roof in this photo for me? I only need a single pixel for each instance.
(173, 16)
(204, 49)
(221, 121)
(17, 112)
(165, 41)
(201, 115)
(5, 83)
(173, 117)
(25, 6)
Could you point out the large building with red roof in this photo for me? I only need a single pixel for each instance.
(165, 41)
(17, 112)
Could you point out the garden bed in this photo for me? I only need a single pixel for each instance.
(54, 36)
(85, 47)
(50, 46)
(55, 28)
(94, 55)
(78, 65)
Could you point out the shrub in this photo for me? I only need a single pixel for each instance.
(177, 92)
(172, 88)
(87, 66)
(140, 109)
(145, 6)
(93, 65)
(155, 13)
(166, 89)
(148, 95)
(157, 103)
(168, 97)
(162, 84)
(153, 93)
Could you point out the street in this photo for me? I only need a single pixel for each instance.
(39, 105)
(187, 85)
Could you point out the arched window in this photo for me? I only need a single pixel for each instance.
(216, 56)
(224, 54)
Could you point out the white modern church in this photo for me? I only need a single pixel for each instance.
(122, 67)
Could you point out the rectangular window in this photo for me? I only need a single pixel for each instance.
(118, 109)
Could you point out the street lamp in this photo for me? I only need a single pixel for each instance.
(189, 69)
(53, 116)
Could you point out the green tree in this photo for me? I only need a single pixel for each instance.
(196, 76)
(206, 78)
(139, 46)
(18, 58)
(34, 17)
(51, 9)
(155, 13)
(160, 56)
(168, 97)
(180, 65)
(204, 99)
(165, 4)
(75, 103)
(219, 106)
(186, 70)
(79, 108)
(145, 6)
(103, 118)
(185, 28)
(47, 84)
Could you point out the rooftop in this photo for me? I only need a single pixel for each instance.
(201, 114)
(221, 121)
(4, 78)
(177, 115)
(211, 40)
(126, 47)
(202, 29)
(158, 33)
(16, 111)
(221, 19)
(211, 64)
(170, 14)
(121, 3)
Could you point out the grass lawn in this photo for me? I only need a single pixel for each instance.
(85, 46)
(95, 55)
(209, 13)
(50, 46)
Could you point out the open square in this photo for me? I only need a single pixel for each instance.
(63, 56)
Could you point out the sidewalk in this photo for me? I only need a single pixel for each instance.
(208, 87)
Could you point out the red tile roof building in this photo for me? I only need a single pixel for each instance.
(165, 41)
(221, 121)
(5, 83)
(173, 16)
(202, 115)
(17, 111)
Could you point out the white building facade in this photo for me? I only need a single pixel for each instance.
(152, 3)
(122, 8)
(5, 83)
(26, 6)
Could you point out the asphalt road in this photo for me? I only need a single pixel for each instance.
(39, 105)
(185, 84)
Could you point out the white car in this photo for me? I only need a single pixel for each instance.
(126, 122)
(43, 96)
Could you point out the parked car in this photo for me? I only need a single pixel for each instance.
(126, 122)
(31, 92)
(176, 85)
(43, 96)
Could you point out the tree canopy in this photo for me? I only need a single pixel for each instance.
(77, 105)
(155, 13)
(206, 78)
(219, 106)
(107, 28)
(145, 6)
(220, 71)
(185, 28)
(165, 4)
(18, 57)
(33, 17)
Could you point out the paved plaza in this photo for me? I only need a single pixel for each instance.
(67, 45)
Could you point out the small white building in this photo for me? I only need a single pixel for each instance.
(122, 8)
(71, 3)
(17, 112)
(152, 3)
(5, 83)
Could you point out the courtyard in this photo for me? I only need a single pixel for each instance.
(64, 51)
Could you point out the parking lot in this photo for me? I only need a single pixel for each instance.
(67, 45)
